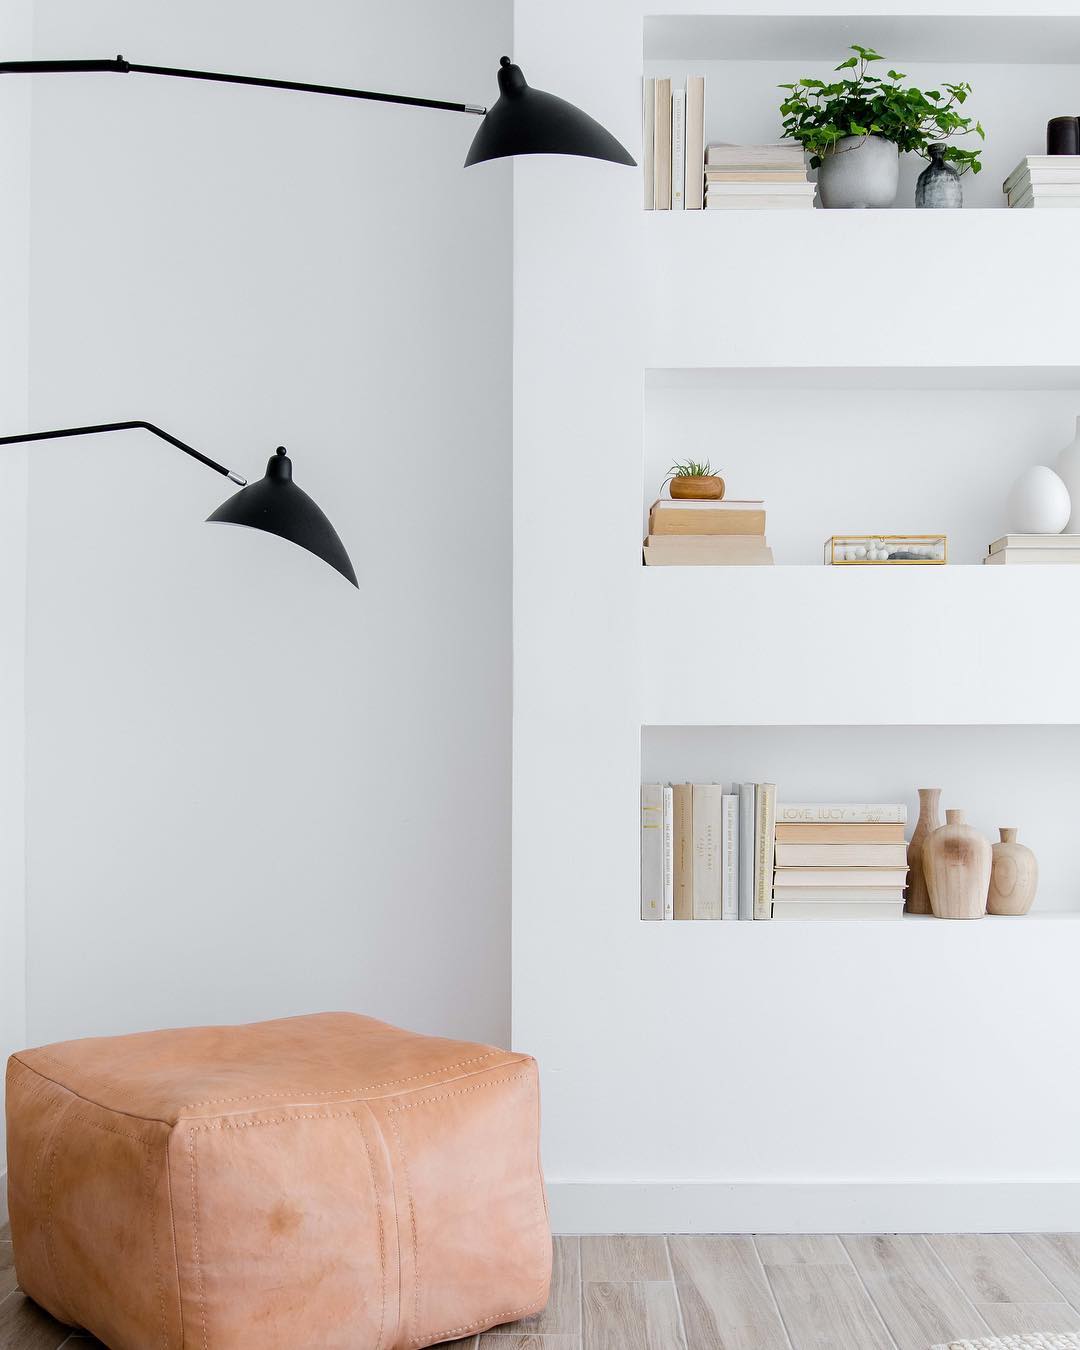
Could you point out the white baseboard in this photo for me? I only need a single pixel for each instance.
(801, 1207)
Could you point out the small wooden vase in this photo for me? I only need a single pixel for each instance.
(918, 897)
(956, 864)
(708, 488)
(1014, 876)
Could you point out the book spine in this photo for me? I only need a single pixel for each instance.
(648, 150)
(652, 851)
(678, 150)
(683, 841)
(847, 813)
(695, 142)
(662, 146)
(708, 817)
(669, 853)
(764, 844)
(746, 850)
(729, 891)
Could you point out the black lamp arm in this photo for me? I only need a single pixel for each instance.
(122, 67)
(128, 426)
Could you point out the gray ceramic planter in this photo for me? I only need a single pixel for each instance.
(860, 171)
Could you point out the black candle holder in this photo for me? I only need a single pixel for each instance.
(1063, 136)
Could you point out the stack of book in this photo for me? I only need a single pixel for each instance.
(691, 533)
(839, 862)
(1035, 548)
(673, 137)
(757, 177)
(1044, 180)
(707, 850)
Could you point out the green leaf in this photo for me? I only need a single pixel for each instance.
(846, 65)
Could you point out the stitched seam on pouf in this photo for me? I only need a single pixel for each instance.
(334, 1092)
(277, 1120)
(490, 1319)
(382, 1234)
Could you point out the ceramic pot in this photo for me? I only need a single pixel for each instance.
(918, 897)
(704, 489)
(956, 864)
(1068, 468)
(1039, 502)
(939, 184)
(859, 171)
(1014, 876)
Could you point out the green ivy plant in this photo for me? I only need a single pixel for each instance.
(818, 113)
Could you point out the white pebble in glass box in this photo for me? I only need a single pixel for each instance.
(860, 549)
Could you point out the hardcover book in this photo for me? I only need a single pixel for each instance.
(652, 851)
(708, 831)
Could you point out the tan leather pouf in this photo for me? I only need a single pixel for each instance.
(316, 1183)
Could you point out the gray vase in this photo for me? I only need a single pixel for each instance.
(938, 185)
(860, 171)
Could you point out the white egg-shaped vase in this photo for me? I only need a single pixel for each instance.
(1068, 467)
(1039, 503)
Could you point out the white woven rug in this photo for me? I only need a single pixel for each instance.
(1042, 1341)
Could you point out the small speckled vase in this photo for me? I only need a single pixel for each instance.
(938, 185)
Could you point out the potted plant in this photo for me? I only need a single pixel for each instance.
(856, 127)
(695, 481)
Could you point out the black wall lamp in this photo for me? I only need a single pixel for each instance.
(524, 121)
(274, 504)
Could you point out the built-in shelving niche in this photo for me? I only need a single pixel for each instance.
(1024, 71)
(872, 450)
(1003, 775)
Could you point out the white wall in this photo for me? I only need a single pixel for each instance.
(254, 791)
(15, 35)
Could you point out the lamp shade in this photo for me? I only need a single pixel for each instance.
(526, 121)
(275, 504)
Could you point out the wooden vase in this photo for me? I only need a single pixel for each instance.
(708, 488)
(956, 864)
(1014, 876)
(918, 897)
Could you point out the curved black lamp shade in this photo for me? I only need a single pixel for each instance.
(275, 504)
(527, 121)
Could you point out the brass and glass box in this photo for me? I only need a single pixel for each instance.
(858, 550)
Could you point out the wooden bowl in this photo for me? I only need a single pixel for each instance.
(710, 489)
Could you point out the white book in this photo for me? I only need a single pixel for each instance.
(746, 850)
(648, 149)
(695, 142)
(762, 189)
(843, 813)
(690, 504)
(1053, 164)
(833, 909)
(1028, 202)
(678, 149)
(776, 152)
(759, 203)
(669, 853)
(1035, 541)
(1063, 556)
(708, 849)
(811, 895)
(652, 851)
(729, 890)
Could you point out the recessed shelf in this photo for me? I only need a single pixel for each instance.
(999, 378)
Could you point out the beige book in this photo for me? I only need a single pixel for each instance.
(840, 876)
(755, 175)
(839, 834)
(871, 911)
(841, 855)
(648, 138)
(808, 894)
(663, 550)
(662, 146)
(652, 851)
(691, 557)
(673, 520)
(1034, 555)
(708, 816)
(764, 842)
(682, 798)
(695, 142)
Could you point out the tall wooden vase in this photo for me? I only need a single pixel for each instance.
(1013, 876)
(918, 897)
(956, 863)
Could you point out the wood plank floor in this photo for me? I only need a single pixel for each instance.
(899, 1292)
